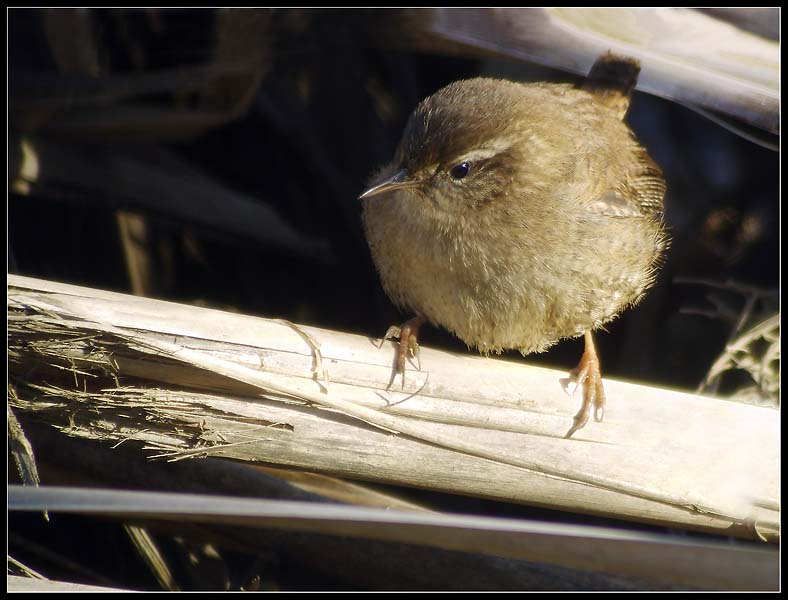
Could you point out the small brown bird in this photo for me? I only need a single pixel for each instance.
(515, 215)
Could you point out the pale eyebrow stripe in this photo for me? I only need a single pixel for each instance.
(486, 151)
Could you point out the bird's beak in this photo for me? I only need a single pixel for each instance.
(397, 181)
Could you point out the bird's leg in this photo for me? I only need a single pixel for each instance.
(589, 376)
(408, 345)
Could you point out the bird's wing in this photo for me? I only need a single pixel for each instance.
(640, 193)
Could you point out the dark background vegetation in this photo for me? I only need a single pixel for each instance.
(327, 108)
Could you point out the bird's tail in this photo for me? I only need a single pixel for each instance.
(612, 79)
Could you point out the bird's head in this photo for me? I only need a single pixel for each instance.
(461, 149)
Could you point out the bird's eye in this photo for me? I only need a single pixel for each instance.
(461, 170)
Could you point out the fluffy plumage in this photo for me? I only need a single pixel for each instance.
(555, 228)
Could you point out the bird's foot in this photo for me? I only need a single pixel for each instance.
(408, 346)
(588, 375)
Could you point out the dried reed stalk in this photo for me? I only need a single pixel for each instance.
(194, 382)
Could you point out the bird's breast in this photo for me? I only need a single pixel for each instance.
(500, 289)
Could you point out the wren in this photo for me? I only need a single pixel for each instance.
(518, 214)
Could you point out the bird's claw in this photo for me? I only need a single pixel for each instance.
(588, 375)
(391, 332)
(408, 347)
